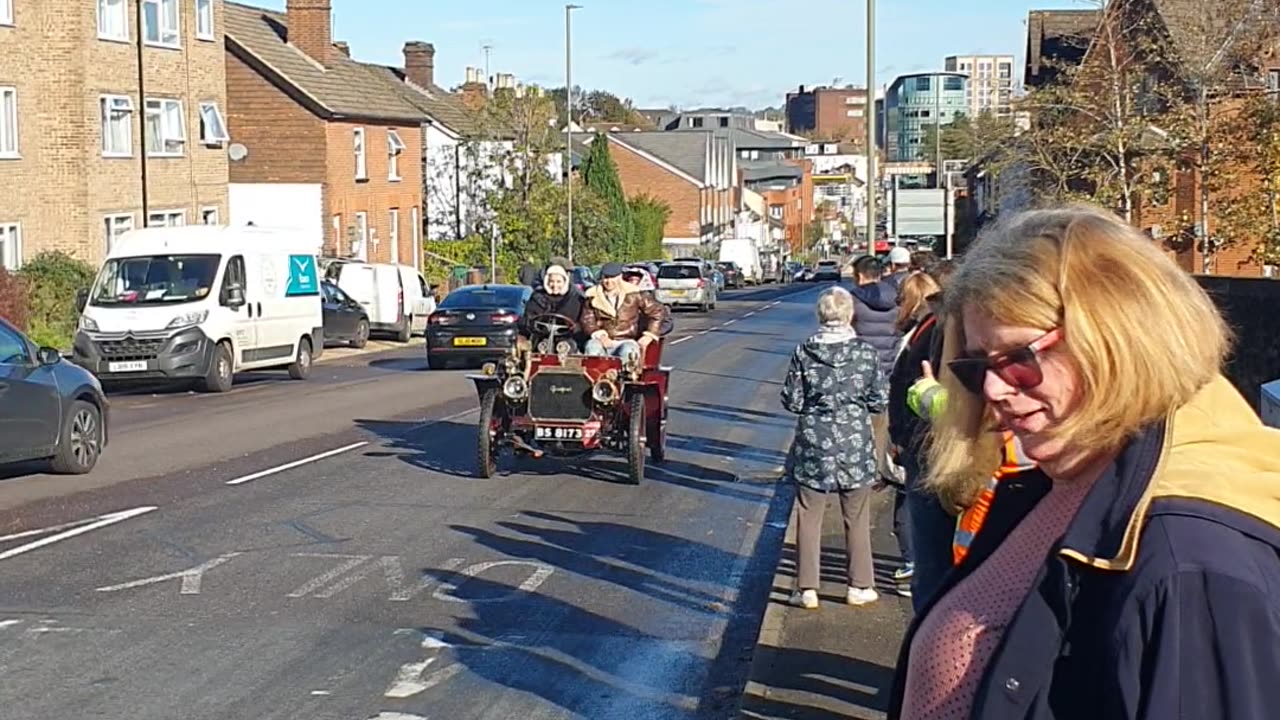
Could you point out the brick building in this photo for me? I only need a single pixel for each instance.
(76, 113)
(312, 117)
(690, 171)
(828, 113)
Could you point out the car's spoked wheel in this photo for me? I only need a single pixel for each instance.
(486, 440)
(635, 440)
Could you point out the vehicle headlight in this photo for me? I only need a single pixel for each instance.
(605, 391)
(189, 319)
(515, 387)
(564, 347)
(88, 323)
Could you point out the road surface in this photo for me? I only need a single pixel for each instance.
(323, 550)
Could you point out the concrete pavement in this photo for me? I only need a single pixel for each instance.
(330, 554)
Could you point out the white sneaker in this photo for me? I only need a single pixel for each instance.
(807, 599)
(861, 596)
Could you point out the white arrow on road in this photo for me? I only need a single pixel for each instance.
(75, 528)
(190, 578)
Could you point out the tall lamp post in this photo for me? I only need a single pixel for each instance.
(871, 126)
(568, 114)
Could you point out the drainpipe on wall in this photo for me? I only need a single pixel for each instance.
(142, 104)
(457, 189)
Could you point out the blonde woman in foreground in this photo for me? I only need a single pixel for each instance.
(1135, 572)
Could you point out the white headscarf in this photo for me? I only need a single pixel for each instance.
(556, 270)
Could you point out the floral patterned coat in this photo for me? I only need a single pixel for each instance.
(835, 385)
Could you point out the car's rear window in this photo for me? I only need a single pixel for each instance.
(827, 263)
(679, 272)
(485, 298)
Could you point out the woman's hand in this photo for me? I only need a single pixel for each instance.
(926, 371)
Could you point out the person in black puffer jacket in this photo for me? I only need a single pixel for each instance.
(875, 318)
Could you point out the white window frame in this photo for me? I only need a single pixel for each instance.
(395, 147)
(106, 8)
(173, 127)
(9, 123)
(393, 234)
(204, 20)
(213, 126)
(6, 12)
(362, 234)
(112, 109)
(166, 37)
(116, 225)
(360, 148)
(209, 215)
(165, 218)
(11, 245)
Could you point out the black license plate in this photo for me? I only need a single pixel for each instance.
(557, 433)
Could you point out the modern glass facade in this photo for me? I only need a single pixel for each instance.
(915, 102)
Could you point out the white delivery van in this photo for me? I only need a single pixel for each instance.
(201, 303)
(743, 251)
(395, 297)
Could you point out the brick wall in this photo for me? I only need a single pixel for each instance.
(60, 67)
(833, 121)
(1244, 302)
(286, 141)
(641, 176)
(378, 194)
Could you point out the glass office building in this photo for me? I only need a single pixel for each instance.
(915, 102)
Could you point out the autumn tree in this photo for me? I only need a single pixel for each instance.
(600, 175)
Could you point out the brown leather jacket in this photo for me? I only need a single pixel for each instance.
(638, 314)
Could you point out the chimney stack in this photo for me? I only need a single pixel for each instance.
(474, 91)
(420, 63)
(311, 28)
(342, 47)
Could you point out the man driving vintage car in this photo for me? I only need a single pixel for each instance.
(618, 319)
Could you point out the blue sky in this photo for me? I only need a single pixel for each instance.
(685, 52)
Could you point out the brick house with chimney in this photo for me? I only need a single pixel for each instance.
(331, 143)
(91, 144)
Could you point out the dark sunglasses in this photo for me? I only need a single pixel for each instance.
(1019, 367)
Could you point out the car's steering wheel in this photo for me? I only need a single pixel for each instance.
(553, 327)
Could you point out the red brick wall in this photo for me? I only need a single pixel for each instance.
(833, 121)
(285, 140)
(378, 194)
(641, 176)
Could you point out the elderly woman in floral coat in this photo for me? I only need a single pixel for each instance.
(835, 385)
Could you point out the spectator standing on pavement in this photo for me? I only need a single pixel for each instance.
(899, 267)
(915, 321)
(835, 385)
(1132, 573)
(875, 318)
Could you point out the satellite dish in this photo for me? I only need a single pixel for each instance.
(237, 152)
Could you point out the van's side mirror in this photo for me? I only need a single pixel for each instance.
(234, 297)
(82, 299)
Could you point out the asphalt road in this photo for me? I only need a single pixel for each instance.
(323, 550)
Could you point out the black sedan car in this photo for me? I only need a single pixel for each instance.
(345, 320)
(50, 409)
(732, 274)
(475, 323)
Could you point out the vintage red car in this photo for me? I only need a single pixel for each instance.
(547, 399)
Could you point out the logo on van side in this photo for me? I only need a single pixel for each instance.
(303, 277)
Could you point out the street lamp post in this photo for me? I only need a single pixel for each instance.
(568, 114)
(871, 126)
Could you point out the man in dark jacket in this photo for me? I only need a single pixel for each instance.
(875, 318)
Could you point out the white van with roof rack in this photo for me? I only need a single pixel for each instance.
(201, 303)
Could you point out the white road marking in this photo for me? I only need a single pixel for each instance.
(352, 561)
(394, 573)
(297, 463)
(191, 578)
(429, 423)
(727, 323)
(9, 623)
(540, 574)
(704, 332)
(687, 338)
(93, 524)
(320, 693)
(753, 312)
(397, 716)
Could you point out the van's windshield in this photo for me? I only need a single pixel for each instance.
(155, 280)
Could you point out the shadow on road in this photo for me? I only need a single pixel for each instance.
(734, 378)
(729, 415)
(189, 387)
(847, 681)
(402, 364)
(744, 411)
(725, 449)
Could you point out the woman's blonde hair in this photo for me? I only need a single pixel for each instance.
(1141, 333)
(835, 307)
(914, 296)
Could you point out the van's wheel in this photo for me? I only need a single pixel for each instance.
(221, 370)
(486, 445)
(361, 337)
(635, 440)
(80, 442)
(405, 331)
(301, 367)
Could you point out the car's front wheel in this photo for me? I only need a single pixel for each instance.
(80, 444)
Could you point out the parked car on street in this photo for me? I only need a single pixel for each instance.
(475, 323)
(733, 276)
(345, 320)
(50, 409)
(682, 284)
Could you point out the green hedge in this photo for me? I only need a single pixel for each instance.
(53, 279)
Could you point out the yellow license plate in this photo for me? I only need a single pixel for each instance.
(471, 342)
(676, 292)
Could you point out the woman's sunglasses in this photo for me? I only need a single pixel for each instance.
(1019, 367)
